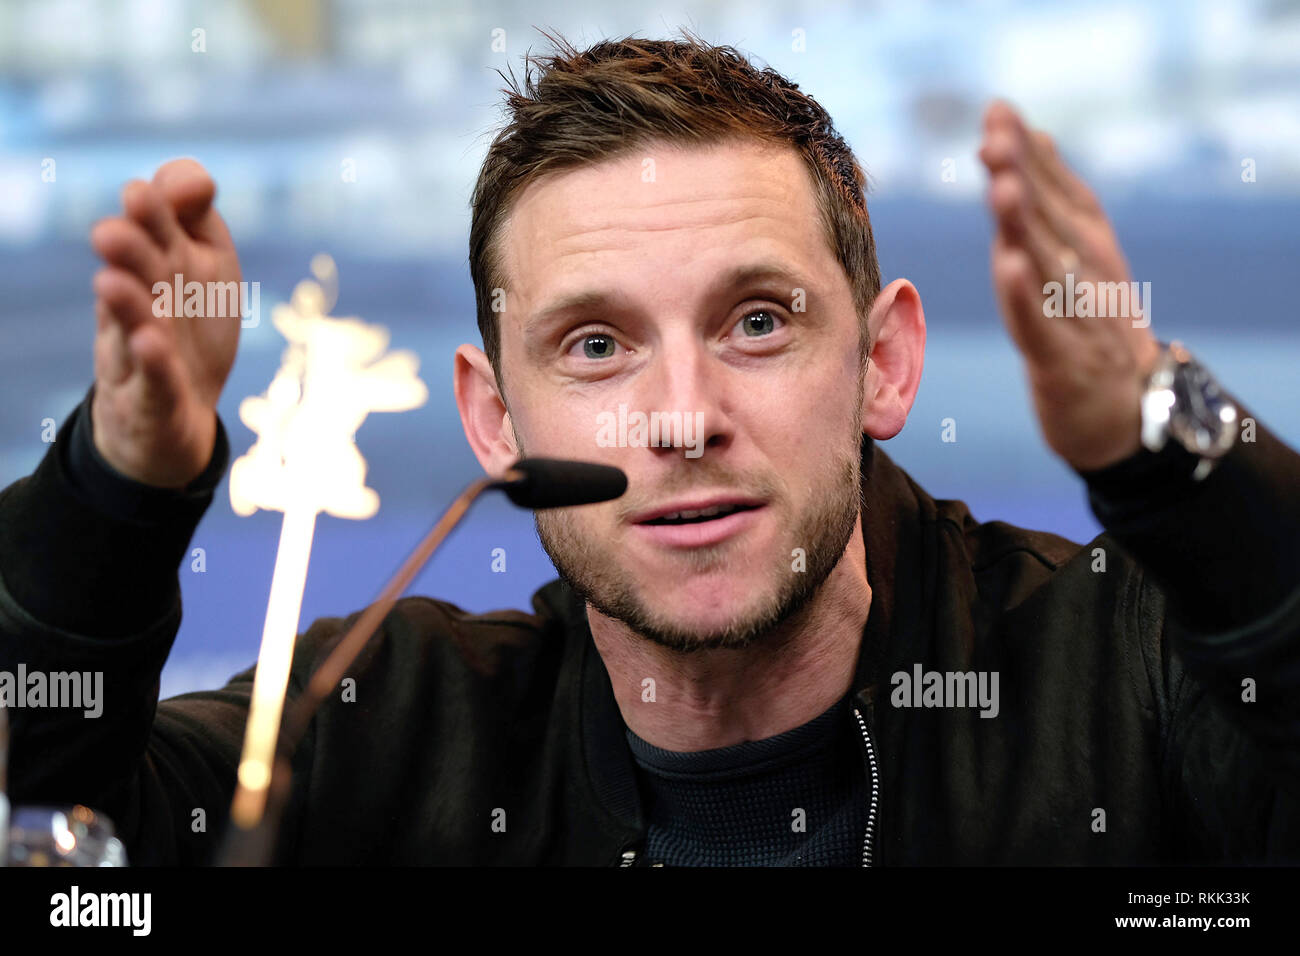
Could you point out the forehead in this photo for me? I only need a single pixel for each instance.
(664, 206)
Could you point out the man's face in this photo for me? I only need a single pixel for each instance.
(695, 281)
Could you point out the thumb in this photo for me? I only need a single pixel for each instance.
(155, 356)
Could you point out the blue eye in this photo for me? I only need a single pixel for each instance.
(598, 346)
(759, 322)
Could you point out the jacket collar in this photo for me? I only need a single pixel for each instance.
(894, 509)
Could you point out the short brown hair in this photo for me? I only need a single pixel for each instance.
(576, 107)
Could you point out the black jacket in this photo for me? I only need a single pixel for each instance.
(1122, 734)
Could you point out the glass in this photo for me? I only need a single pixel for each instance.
(62, 836)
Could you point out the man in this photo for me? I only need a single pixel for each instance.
(775, 648)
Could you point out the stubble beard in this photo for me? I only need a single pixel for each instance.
(593, 570)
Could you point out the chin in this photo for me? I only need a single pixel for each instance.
(708, 607)
(689, 599)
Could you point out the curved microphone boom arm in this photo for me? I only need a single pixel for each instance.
(534, 483)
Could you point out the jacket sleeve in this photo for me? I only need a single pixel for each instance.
(1219, 620)
(88, 585)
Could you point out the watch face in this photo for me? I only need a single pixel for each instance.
(1203, 420)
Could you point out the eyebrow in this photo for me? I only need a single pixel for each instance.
(772, 274)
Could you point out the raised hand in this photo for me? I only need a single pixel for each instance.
(1086, 372)
(157, 379)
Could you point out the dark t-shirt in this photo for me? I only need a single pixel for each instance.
(797, 799)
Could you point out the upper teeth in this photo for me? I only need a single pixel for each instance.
(702, 513)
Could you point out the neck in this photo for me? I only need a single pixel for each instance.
(718, 698)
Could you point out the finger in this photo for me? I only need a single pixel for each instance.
(126, 300)
(112, 357)
(1041, 339)
(145, 203)
(1005, 151)
(131, 343)
(153, 351)
(190, 190)
(999, 113)
(1040, 152)
(997, 150)
(1045, 158)
(1023, 226)
(1054, 209)
(124, 243)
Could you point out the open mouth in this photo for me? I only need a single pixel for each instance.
(698, 517)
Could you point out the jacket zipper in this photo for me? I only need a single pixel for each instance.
(875, 789)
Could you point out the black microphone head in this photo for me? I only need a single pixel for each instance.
(555, 483)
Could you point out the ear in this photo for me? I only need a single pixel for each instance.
(483, 413)
(897, 324)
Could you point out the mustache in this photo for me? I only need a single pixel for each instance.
(696, 478)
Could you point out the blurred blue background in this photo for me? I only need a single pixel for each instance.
(1160, 106)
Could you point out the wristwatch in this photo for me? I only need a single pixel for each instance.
(1183, 404)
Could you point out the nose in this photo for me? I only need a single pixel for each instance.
(689, 388)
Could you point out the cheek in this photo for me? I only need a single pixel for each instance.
(814, 395)
(553, 426)
(811, 432)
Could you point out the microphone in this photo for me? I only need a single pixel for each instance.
(539, 483)
(535, 483)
